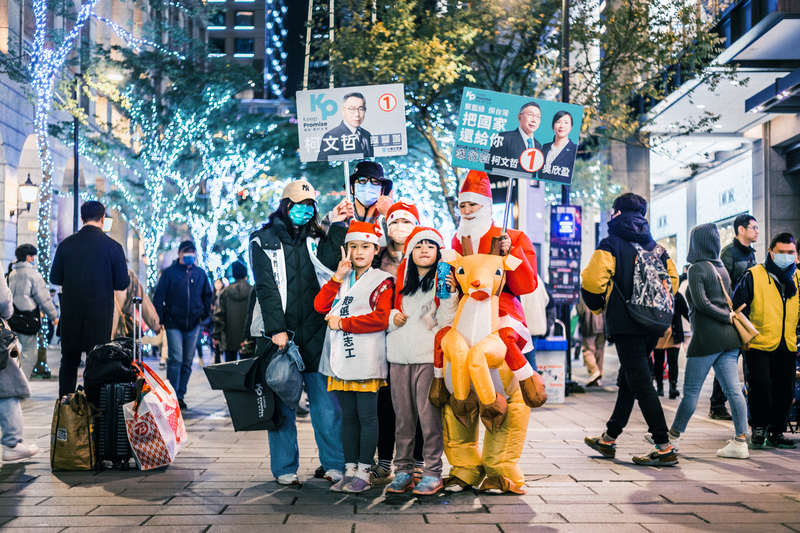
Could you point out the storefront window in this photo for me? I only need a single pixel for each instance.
(670, 244)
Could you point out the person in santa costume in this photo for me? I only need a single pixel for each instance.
(357, 301)
(478, 234)
(495, 467)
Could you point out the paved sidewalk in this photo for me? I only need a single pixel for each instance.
(221, 482)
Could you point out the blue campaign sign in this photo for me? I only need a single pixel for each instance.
(516, 136)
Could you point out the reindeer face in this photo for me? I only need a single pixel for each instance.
(479, 275)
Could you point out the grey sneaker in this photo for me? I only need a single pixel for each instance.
(675, 442)
(356, 485)
(402, 482)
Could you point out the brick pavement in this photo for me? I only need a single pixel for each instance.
(221, 482)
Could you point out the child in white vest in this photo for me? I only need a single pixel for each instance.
(357, 302)
(416, 318)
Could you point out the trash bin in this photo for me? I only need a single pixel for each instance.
(551, 360)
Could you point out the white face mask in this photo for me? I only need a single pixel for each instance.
(400, 232)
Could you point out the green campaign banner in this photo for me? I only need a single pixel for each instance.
(517, 136)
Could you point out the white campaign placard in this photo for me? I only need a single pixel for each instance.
(346, 123)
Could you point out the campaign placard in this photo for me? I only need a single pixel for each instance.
(346, 123)
(516, 136)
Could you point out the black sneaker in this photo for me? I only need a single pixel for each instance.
(607, 449)
(656, 457)
(780, 441)
(182, 404)
(319, 473)
(758, 438)
(720, 413)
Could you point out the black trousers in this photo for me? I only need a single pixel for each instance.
(718, 398)
(770, 376)
(671, 355)
(635, 385)
(68, 373)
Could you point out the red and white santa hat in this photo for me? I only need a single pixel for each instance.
(476, 189)
(403, 210)
(418, 234)
(362, 231)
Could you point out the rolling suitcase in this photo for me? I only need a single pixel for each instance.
(111, 434)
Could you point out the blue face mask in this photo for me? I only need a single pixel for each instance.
(368, 193)
(189, 260)
(300, 214)
(783, 261)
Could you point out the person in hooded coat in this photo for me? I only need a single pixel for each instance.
(231, 312)
(613, 263)
(715, 342)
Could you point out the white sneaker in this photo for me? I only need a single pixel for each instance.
(734, 450)
(334, 476)
(287, 479)
(674, 442)
(19, 452)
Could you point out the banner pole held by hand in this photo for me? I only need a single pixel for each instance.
(347, 181)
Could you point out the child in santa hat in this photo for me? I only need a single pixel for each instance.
(357, 301)
(417, 316)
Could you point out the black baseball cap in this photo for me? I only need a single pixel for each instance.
(185, 246)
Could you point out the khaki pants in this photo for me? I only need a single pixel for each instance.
(593, 348)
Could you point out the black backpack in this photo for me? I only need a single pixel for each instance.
(652, 304)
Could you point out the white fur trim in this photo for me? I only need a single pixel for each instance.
(439, 372)
(523, 373)
(475, 198)
(507, 321)
(401, 213)
(424, 235)
(361, 236)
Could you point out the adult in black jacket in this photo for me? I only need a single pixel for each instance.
(89, 266)
(613, 263)
(737, 257)
(182, 300)
(286, 284)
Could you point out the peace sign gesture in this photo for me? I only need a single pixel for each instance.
(345, 266)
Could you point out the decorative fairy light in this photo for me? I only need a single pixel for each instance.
(275, 56)
(226, 171)
(136, 43)
(155, 164)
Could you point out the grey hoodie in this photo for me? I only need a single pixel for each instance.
(712, 331)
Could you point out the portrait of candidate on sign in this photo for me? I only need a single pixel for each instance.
(346, 123)
(517, 136)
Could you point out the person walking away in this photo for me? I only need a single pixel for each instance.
(669, 348)
(715, 343)
(593, 341)
(357, 302)
(89, 266)
(30, 295)
(13, 386)
(613, 262)
(123, 309)
(290, 255)
(417, 315)
(737, 257)
(230, 313)
(769, 291)
(182, 300)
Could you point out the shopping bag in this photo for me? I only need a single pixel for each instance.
(284, 375)
(152, 439)
(72, 433)
(166, 394)
(235, 375)
(254, 410)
